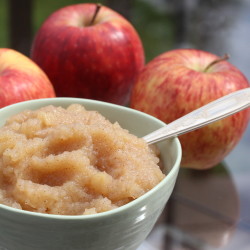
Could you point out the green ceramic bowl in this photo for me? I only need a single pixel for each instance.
(123, 228)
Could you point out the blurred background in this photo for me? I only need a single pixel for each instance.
(216, 26)
(208, 209)
(212, 25)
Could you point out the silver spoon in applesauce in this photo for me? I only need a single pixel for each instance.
(211, 112)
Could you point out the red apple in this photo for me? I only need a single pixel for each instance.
(87, 55)
(179, 81)
(21, 79)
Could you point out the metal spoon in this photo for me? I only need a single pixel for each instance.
(211, 112)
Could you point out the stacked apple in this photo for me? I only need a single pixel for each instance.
(179, 81)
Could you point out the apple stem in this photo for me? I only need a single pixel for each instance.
(97, 9)
(223, 58)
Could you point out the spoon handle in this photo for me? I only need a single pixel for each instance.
(211, 112)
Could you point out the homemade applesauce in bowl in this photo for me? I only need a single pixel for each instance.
(75, 174)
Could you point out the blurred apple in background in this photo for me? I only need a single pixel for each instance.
(89, 51)
(179, 81)
(21, 79)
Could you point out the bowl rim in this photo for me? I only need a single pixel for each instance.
(71, 100)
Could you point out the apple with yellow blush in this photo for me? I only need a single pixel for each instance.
(21, 79)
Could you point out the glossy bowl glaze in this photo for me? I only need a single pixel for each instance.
(122, 228)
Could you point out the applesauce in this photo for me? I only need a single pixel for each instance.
(71, 162)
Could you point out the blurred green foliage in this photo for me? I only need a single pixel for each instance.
(4, 34)
(155, 28)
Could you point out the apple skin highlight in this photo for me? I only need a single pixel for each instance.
(174, 84)
(98, 61)
(21, 79)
